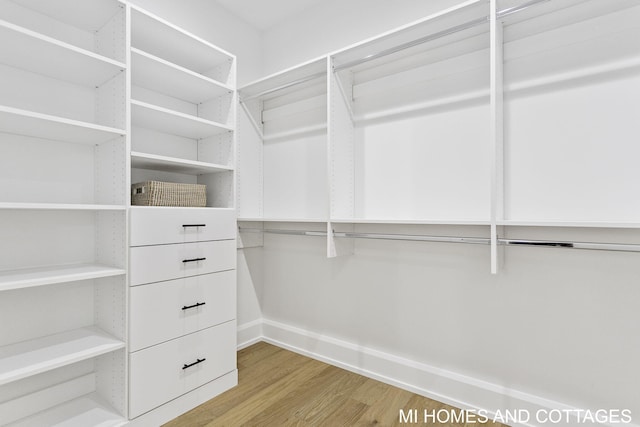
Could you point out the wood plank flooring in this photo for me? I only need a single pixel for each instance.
(277, 387)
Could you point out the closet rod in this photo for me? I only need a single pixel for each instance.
(284, 86)
(437, 35)
(615, 247)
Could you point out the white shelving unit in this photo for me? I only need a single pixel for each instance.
(283, 150)
(182, 108)
(63, 200)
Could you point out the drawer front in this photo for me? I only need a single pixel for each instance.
(167, 310)
(149, 264)
(153, 226)
(157, 374)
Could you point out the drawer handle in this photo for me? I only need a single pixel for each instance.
(198, 361)
(193, 225)
(193, 260)
(198, 304)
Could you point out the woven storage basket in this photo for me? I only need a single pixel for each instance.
(156, 193)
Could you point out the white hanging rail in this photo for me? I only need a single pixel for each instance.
(437, 35)
(283, 86)
(616, 247)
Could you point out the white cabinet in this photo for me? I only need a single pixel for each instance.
(167, 310)
(168, 370)
(182, 261)
(63, 200)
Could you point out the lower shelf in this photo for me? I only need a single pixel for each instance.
(28, 358)
(85, 411)
(31, 277)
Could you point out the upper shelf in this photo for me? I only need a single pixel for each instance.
(296, 78)
(162, 76)
(160, 38)
(31, 51)
(172, 164)
(32, 357)
(89, 16)
(458, 23)
(172, 122)
(29, 123)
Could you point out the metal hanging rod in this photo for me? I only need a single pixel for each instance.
(437, 35)
(615, 247)
(284, 86)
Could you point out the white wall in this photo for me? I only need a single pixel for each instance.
(215, 24)
(557, 325)
(307, 35)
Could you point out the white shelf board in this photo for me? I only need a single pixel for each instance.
(256, 219)
(410, 221)
(153, 34)
(28, 358)
(29, 123)
(60, 207)
(86, 15)
(573, 224)
(88, 410)
(32, 277)
(173, 164)
(164, 77)
(31, 51)
(172, 122)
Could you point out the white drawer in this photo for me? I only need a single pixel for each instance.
(158, 374)
(166, 310)
(158, 225)
(150, 264)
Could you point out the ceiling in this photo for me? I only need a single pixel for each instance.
(264, 14)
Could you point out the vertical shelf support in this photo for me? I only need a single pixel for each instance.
(497, 130)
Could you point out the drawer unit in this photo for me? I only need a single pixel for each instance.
(166, 262)
(166, 310)
(166, 371)
(153, 226)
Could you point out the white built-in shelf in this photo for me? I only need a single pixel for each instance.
(570, 224)
(162, 76)
(257, 219)
(31, 51)
(29, 123)
(173, 164)
(88, 16)
(32, 357)
(60, 207)
(32, 277)
(88, 410)
(173, 122)
(410, 221)
(160, 38)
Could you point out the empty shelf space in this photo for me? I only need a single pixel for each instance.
(31, 277)
(88, 410)
(164, 77)
(28, 50)
(172, 164)
(32, 357)
(305, 220)
(160, 38)
(60, 207)
(29, 123)
(172, 122)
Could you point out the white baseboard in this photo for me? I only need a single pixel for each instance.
(444, 386)
(249, 333)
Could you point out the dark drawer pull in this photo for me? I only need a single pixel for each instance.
(193, 225)
(193, 260)
(194, 363)
(198, 304)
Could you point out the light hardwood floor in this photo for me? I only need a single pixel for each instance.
(277, 387)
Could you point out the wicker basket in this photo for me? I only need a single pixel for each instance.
(156, 193)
